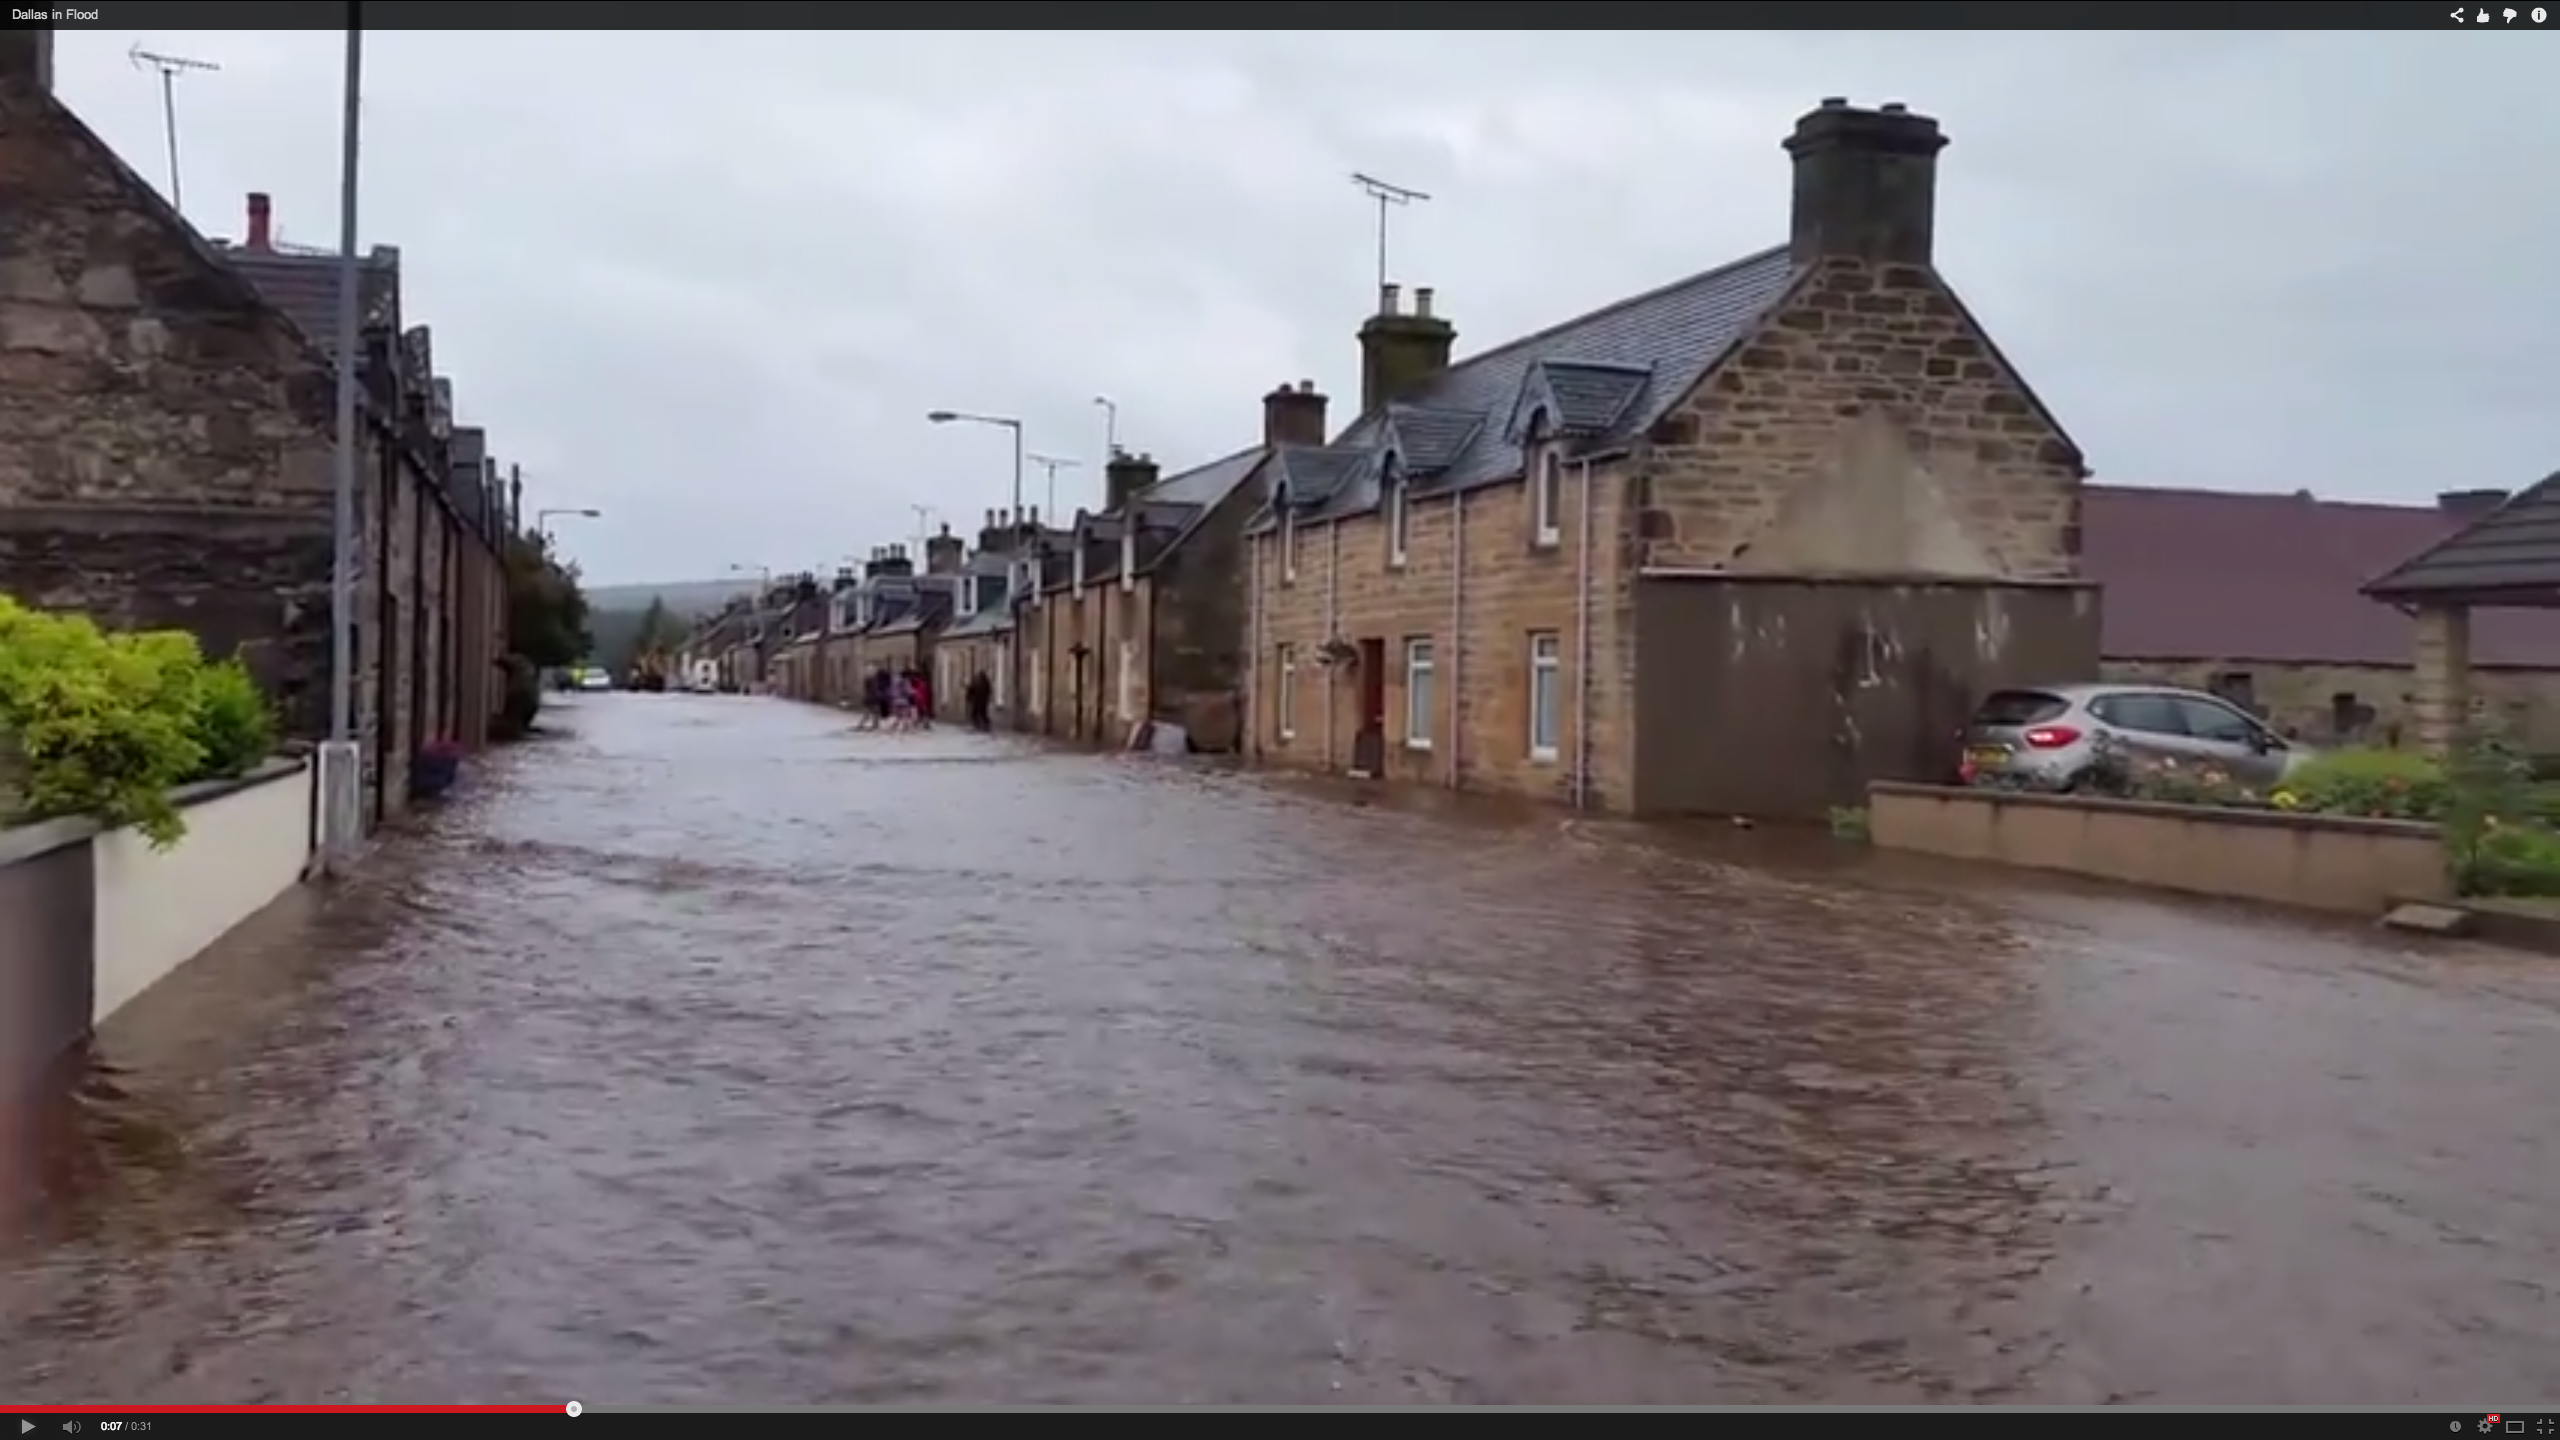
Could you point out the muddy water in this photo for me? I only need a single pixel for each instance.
(712, 1053)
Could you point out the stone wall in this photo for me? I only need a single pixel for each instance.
(2328, 705)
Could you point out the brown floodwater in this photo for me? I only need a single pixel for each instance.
(708, 1052)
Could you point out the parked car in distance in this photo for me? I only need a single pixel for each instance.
(2063, 738)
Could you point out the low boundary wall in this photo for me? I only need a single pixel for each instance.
(2321, 862)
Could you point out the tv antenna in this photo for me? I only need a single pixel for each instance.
(170, 68)
(1386, 195)
(1053, 464)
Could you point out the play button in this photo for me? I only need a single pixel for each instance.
(25, 1425)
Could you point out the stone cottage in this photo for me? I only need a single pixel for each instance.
(166, 436)
(1737, 545)
(1147, 625)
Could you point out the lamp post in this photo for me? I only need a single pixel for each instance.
(542, 520)
(1015, 566)
(341, 760)
(1053, 464)
(755, 611)
(1110, 427)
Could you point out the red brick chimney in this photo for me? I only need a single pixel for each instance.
(261, 222)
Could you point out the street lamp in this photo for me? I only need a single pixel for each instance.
(755, 610)
(1053, 464)
(542, 518)
(1110, 427)
(341, 818)
(1015, 567)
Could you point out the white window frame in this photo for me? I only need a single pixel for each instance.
(1421, 664)
(1077, 579)
(1288, 547)
(1129, 560)
(1546, 495)
(1039, 580)
(1399, 524)
(1546, 669)
(1285, 700)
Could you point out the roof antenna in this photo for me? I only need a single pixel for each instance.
(1386, 195)
(170, 67)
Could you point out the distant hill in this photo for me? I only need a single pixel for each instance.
(687, 598)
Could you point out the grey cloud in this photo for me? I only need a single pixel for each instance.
(710, 281)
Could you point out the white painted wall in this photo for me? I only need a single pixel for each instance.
(158, 909)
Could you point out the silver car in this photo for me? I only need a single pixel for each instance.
(2077, 737)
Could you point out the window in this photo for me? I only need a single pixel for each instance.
(1039, 577)
(2144, 714)
(1546, 697)
(1284, 700)
(2237, 686)
(1129, 560)
(1399, 522)
(1003, 673)
(966, 601)
(2219, 723)
(1288, 547)
(1546, 495)
(1078, 578)
(1417, 694)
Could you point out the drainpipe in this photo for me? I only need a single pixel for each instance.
(1332, 570)
(1582, 652)
(1457, 622)
(1253, 647)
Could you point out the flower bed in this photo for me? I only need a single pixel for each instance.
(105, 725)
(2501, 824)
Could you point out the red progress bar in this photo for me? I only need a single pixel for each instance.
(283, 1409)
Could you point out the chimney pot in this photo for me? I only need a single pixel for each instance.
(1422, 303)
(946, 527)
(1893, 107)
(1390, 297)
(261, 221)
(1034, 517)
(1835, 102)
(1306, 387)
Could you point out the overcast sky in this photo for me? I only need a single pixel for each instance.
(709, 282)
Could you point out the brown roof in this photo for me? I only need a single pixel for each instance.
(2218, 575)
(304, 285)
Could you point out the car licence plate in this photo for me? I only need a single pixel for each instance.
(1987, 755)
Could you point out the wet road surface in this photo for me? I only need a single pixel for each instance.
(711, 1053)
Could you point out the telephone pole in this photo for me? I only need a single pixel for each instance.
(1386, 195)
(170, 68)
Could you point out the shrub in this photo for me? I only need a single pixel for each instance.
(520, 697)
(98, 724)
(234, 723)
(2382, 784)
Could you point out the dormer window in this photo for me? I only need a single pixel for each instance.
(1399, 520)
(1546, 493)
(1129, 560)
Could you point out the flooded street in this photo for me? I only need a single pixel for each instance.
(711, 1053)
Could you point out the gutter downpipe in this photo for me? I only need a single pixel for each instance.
(1253, 648)
(1457, 622)
(1582, 652)
(1332, 621)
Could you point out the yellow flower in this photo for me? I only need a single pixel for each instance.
(2285, 800)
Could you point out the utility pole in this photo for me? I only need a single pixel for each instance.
(924, 528)
(1386, 195)
(170, 68)
(1053, 464)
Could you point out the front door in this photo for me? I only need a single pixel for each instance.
(1369, 741)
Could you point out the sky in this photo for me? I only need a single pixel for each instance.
(709, 283)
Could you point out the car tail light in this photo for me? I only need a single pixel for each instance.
(2052, 737)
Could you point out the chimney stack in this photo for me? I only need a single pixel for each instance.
(1031, 517)
(1125, 476)
(1401, 352)
(2469, 505)
(944, 553)
(1293, 415)
(261, 222)
(1866, 185)
(26, 57)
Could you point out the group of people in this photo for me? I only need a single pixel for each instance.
(896, 700)
(903, 700)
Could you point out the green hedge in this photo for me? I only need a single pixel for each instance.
(106, 724)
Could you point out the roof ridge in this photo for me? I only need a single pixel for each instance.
(1225, 459)
(1627, 302)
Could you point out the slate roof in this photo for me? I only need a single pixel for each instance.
(2272, 579)
(2513, 550)
(305, 288)
(1603, 380)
